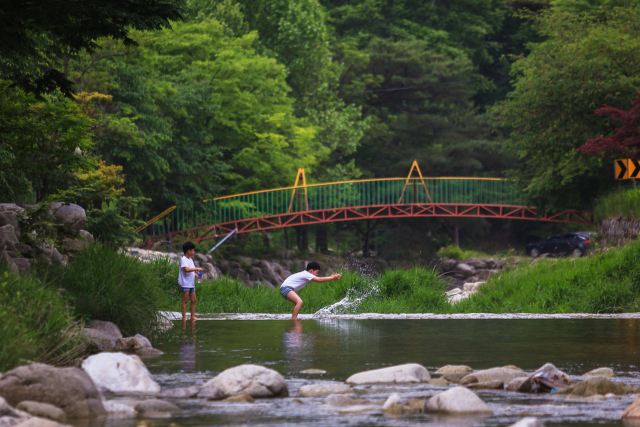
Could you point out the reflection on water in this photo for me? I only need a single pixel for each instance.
(344, 347)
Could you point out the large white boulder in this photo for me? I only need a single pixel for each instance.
(120, 373)
(407, 373)
(457, 400)
(254, 380)
(528, 422)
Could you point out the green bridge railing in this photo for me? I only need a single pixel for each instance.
(317, 197)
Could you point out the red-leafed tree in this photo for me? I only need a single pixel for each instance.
(626, 139)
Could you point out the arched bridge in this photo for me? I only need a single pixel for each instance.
(410, 197)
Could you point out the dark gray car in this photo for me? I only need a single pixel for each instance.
(575, 244)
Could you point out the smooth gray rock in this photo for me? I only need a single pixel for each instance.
(156, 405)
(454, 369)
(70, 389)
(43, 410)
(457, 400)
(600, 372)
(144, 341)
(6, 410)
(343, 400)
(500, 374)
(180, 393)
(593, 386)
(8, 238)
(447, 264)
(72, 245)
(255, 273)
(477, 264)
(103, 334)
(41, 422)
(269, 274)
(86, 237)
(49, 255)
(23, 264)
(407, 373)
(129, 344)
(464, 270)
(7, 262)
(324, 389)
(515, 383)
(71, 215)
(528, 422)
(254, 380)
(120, 373)
(313, 372)
(11, 218)
(487, 385)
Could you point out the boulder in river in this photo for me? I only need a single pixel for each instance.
(438, 382)
(243, 398)
(155, 405)
(324, 389)
(120, 373)
(497, 374)
(632, 412)
(457, 400)
(593, 386)
(254, 380)
(180, 393)
(43, 410)
(343, 400)
(600, 372)
(454, 369)
(528, 422)
(313, 372)
(454, 378)
(516, 383)
(545, 379)
(103, 334)
(487, 385)
(407, 373)
(70, 389)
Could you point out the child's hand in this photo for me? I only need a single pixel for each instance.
(336, 276)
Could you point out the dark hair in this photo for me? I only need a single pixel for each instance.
(187, 247)
(313, 266)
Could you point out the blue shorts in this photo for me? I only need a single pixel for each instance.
(285, 290)
(190, 290)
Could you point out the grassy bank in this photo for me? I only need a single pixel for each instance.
(602, 283)
(624, 203)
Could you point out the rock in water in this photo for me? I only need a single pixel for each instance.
(254, 380)
(497, 374)
(457, 400)
(528, 422)
(632, 412)
(408, 373)
(324, 389)
(243, 398)
(600, 372)
(593, 386)
(545, 379)
(181, 393)
(43, 410)
(103, 334)
(70, 389)
(40, 422)
(313, 372)
(487, 385)
(454, 369)
(120, 373)
(342, 400)
(155, 405)
(516, 383)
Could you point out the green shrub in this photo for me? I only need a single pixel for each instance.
(106, 284)
(625, 203)
(35, 324)
(454, 252)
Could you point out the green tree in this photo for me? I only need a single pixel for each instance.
(587, 60)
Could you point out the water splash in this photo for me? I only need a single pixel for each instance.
(355, 296)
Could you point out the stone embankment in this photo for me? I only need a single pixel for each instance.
(617, 231)
(68, 232)
(119, 384)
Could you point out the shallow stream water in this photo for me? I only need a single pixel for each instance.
(345, 346)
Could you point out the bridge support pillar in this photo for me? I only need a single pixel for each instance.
(321, 239)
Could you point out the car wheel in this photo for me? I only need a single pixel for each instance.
(535, 253)
(577, 253)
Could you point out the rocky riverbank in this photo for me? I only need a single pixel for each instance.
(116, 384)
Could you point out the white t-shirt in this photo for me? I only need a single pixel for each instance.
(298, 281)
(186, 280)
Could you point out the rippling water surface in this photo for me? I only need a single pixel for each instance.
(344, 347)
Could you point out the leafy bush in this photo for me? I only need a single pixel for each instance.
(35, 324)
(454, 252)
(106, 284)
(625, 203)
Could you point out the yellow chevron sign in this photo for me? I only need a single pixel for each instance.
(634, 168)
(621, 171)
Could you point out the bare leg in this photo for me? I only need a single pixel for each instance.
(294, 298)
(185, 298)
(193, 307)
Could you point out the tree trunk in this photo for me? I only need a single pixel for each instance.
(266, 239)
(302, 238)
(321, 239)
(456, 232)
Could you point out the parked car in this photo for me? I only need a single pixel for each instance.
(575, 244)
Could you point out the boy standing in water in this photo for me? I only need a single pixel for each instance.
(186, 280)
(295, 282)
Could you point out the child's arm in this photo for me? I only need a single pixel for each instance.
(189, 269)
(334, 276)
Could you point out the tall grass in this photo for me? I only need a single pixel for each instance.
(105, 284)
(602, 283)
(35, 324)
(625, 203)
